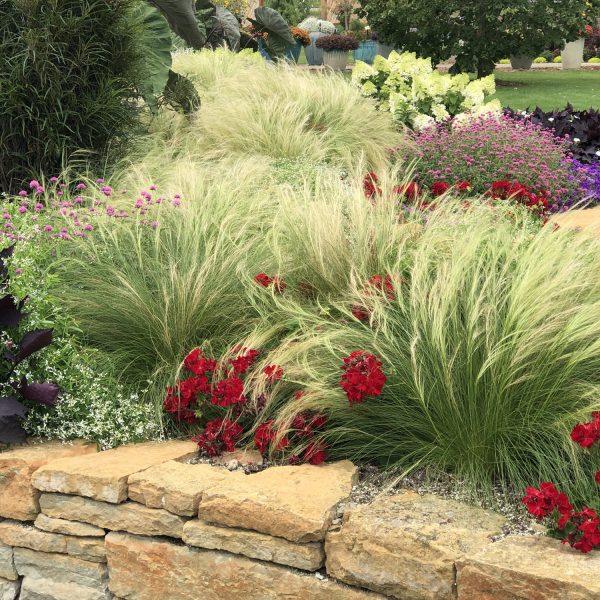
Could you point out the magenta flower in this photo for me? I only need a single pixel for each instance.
(34, 184)
(80, 186)
(22, 193)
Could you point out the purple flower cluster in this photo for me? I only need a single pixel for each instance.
(498, 147)
(65, 212)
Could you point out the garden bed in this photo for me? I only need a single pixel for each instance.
(141, 523)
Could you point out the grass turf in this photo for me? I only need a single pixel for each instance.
(554, 89)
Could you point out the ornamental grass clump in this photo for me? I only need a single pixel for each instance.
(489, 352)
(492, 148)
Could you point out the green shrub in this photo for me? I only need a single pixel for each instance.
(504, 61)
(594, 60)
(557, 59)
(540, 59)
(68, 70)
(490, 348)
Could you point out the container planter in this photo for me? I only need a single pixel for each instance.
(335, 50)
(572, 54)
(263, 51)
(521, 62)
(293, 53)
(314, 55)
(383, 50)
(366, 52)
(336, 59)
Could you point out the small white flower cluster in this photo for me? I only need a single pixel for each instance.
(418, 95)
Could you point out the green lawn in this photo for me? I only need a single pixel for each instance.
(548, 89)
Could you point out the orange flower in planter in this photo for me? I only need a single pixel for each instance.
(300, 35)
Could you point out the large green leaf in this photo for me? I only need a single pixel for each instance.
(156, 40)
(206, 16)
(181, 16)
(280, 37)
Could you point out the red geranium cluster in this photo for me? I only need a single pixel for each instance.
(383, 284)
(302, 428)
(513, 190)
(441, 187)
(219, 435)
(363, 377)
(370, 187)
(581, 529)
(587, 434)
(273, 372)
(265, 281)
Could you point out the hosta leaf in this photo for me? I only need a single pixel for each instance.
(156, 40)
(33, 341)
(181, 16)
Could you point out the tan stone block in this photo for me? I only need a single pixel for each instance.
(15, 533)
(46, 589)
(61, 568)
(7, 565)
(529, 568)
(242, 457)
(405, 546)
(130, 516)
(144, 568)
(46, 523)
(18, 498)
(175, 486)
(9, 589)
(309, 556)
(297, 503)
(104, 475)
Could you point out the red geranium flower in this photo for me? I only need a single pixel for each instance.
(597, 477)
(243, 362)
(462, 186)
(439, 188)
(196, 363)
(315, 452)
(228, 391)
(263, 279)
(273, 372)
(362, 376)
(219, 435)
(265, 434)
(410, 190)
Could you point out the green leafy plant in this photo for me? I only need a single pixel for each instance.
(69, 77)
(293, 11)
(278, 35)
(478, 33)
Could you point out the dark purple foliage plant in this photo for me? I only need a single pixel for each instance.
(12, 408)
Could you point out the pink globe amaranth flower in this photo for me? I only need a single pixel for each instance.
(176, 203)
(177, 196)
(34, 183)
(106, 190)
(38, 207)
(64, 230)
(22, 193)
(152, 187)
(59, 193)
(78, 200)
(80, 186)
(6, 216)
(39, 190)
(22, 209)
(18, 271)
(48, 228)
(99, 181)
(53, 179)
(88, 227)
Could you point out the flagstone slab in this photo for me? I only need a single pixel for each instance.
(297, 503)
(67, 527)
(61, 568)
(405, 546)
(143, 568)
(308, 557)
(104, 475)
(18, 498)
(129, 516)
(9, 589)
(175, 486)
(7, 564)
(47, 589)
(15, 533)
(529, 568)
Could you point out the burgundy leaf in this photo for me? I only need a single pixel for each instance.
(33, 341)
(10, 406)
(10, 312)
(42, 393)
(11, 430)
(4, 254)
